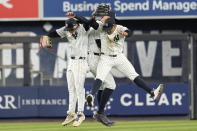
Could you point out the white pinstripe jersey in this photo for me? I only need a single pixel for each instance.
(112, 44)
(93, 35)
(78, 41)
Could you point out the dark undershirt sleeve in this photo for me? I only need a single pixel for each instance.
(53, 34)
(81, 19)
(84, 21)
(94, 24)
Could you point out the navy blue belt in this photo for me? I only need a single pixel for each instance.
(109, 55)
(74, 58)
(98, 54)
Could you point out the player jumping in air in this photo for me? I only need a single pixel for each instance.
(112, 42)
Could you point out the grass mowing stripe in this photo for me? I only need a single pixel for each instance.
(114, 129)
(89, 126)
(122, 122)
(93, 125)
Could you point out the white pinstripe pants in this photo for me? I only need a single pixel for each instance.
(109, 81)
(120, 62)
(76, 73)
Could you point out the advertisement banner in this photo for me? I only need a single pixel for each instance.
(125, 100)
(14, 9)
(124, 9)
(132, 100)
(33, 101)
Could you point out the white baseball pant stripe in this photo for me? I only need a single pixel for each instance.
(109, 81)
(76, 73)
(71, 92)
(120, 62)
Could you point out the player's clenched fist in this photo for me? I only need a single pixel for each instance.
(123, 33)
(45, 41)
(70, 15)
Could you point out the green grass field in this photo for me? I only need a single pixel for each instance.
(182, 125)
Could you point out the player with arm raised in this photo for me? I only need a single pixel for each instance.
(77, 36)
(112, 40)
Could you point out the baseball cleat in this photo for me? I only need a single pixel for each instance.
(157, 92)
(79, 120)
(90, 100)
(102, 118)
(70, 117)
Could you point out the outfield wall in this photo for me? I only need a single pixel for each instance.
(127, 100)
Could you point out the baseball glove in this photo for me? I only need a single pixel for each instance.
(45, 41)
(102, 10)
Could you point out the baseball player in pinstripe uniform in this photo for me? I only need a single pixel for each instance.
(93, 59)
(77, 36)
(112, 39)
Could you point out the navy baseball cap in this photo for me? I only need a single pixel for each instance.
(69, 24)
(109, 23)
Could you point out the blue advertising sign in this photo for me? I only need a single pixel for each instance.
(131, 100)
(124, 9)
(33, 101)
(126, 100)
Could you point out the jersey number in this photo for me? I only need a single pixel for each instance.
(75, 35)
(116, 38)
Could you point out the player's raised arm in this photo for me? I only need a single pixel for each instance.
(86, 23)
(81, 20)
(98, 24)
